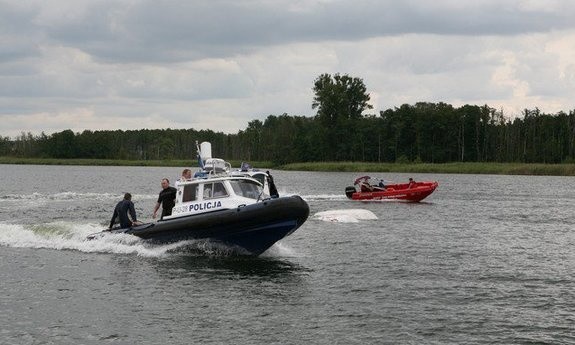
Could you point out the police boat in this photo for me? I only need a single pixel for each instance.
(239, 209)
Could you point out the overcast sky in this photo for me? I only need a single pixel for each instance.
(131, 64)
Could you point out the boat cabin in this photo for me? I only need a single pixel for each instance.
(216, 193)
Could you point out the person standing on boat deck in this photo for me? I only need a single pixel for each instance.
(272, 186)
(186, 175)
(167, 199)
(121, 212)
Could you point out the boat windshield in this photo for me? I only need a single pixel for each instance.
(261, 177)
(247, 188)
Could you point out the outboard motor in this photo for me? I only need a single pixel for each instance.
(349, 191)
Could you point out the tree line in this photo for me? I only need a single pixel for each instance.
(421, 132)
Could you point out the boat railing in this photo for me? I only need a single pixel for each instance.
(203, 174)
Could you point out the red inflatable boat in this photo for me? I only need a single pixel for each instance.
(365, 188)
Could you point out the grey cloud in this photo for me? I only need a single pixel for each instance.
(16, 19)
(187, 30)
(17, 34)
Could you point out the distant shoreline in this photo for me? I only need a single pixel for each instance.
(367, 167)
(441, 168)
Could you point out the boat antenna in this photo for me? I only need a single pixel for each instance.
(259, 196)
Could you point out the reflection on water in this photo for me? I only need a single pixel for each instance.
(263, 267)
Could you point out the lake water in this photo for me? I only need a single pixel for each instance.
(483, 260)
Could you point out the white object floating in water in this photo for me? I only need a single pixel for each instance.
(345, 216)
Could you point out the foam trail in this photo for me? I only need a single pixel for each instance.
(37, 199)
(284, 192)
(317, 197)
(345, 215)
(70, 236)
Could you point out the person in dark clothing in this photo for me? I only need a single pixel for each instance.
(167, 199)
(272, 186)
(121, 212)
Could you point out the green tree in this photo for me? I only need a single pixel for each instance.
(5, 146)
(340, 101)
(63, 145)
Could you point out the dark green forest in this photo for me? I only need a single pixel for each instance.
(421, 132)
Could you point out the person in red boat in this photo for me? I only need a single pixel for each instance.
(411, 183)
